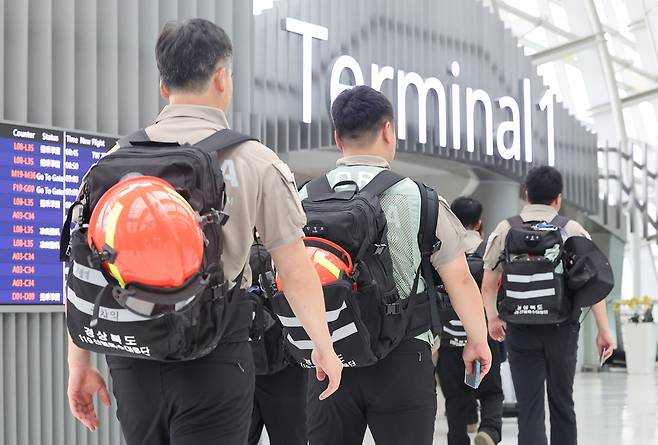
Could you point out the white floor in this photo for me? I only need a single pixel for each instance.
(612, 408)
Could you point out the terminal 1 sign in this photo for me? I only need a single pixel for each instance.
(510, 139)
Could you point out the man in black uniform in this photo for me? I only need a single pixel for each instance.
(459, 398)
(541, 353)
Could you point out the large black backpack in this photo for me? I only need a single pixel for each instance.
(97, 319)
(533, 286)
(267, 341)
(452, 330)
(366, 315)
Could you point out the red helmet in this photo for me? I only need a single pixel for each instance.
(329, 260)
(148, 234)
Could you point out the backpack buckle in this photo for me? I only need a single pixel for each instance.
(96, 258)
(394, 308)
(214, 217)
(436, 246)
(379, 248)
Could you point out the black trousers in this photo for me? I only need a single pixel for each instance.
(544, 355)
(395, 397)
(280, 406)
(459, 397)
(204, 401)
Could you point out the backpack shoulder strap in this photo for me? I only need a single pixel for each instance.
(516, 221)
(223, 139)
(133, 138)
(382, 182)
(560, 221)
(318, 186)
(428, 244)
(482, 248)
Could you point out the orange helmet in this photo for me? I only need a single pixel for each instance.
(147, 234)
(329, 259)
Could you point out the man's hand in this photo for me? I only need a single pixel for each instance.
(481, 353)
(497, 329)
(327, 365)
(604, 344)
(84, 382)
(603, 339)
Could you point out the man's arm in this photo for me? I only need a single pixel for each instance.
(465, 299)
(604, 337)
(497, 327)
(304, 293)
(84, 382)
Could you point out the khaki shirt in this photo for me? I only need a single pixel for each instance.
(260, 188)
(531, 212)
(472, 240)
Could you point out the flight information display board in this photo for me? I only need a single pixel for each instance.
(40, 174)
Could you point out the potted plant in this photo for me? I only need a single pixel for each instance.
(639, 334)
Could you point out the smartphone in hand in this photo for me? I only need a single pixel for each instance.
(473, 380)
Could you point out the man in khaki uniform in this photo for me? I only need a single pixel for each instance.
(395, 397)
(209, 400)
(541, 354)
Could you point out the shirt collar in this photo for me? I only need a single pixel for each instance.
(538, 211)
(367, 160)
(211, 114)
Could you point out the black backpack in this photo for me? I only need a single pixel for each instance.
(452, 330)
(533, 286)
(367, 318)
(97, 317)
(267, 342)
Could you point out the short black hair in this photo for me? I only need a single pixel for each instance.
(187, 53)
(543, 184)
(468, 210)
(360, 111)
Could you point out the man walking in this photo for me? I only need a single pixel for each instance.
(395, 397)
(209, 400)
(539, 353)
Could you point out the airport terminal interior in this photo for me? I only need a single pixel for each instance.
(482, 91)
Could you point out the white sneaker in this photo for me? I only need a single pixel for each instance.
(483, 438)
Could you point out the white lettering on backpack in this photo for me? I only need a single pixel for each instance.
(229, 172)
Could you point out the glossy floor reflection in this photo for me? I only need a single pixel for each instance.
(612, 407)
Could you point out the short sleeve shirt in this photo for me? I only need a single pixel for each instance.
(472, 240)
(531, 212)
(260, 188)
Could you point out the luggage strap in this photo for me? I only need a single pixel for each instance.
(481, 250)
(428, 244)
(383, 181)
